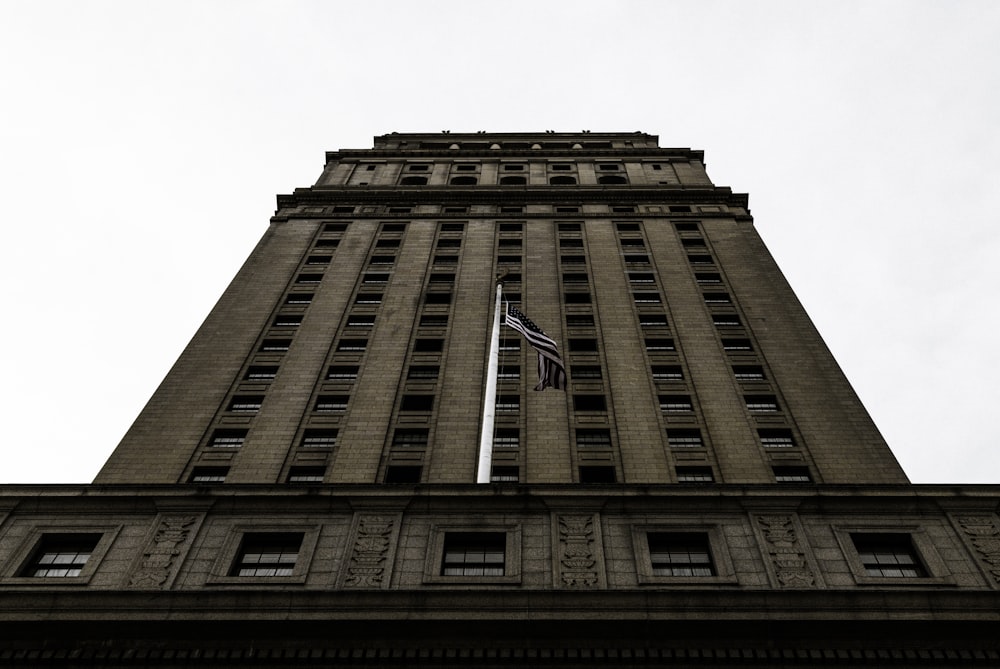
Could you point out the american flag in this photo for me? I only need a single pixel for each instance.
(551, 371)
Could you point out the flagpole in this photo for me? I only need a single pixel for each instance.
(490, 401)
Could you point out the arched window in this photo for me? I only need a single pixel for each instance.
(562, 180)
(464, 181)
(611, 179)
(513, 181)
(414, 181)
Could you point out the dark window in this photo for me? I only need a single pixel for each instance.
(748, 372)
(560, 168)
(433, 321)
(504, 474)
(776, 437)
(417, 168)
(667, 373)
(308, 278)
(342, 373)
(646, 298)
(513, 181)
(707, 277)
(657, 167)
(597, 474)
(343, 210)
(513, 168)
(61, 555)
(331, 403)
(209, 475)
(575, 277)
(684, 438)
(393, 227)
(508, 260)
(593, 438)
(631, 242)
(636, 259)
(368, 298)
(888, 555)
(700, 260)
(382, 260)
(403, 473)
(375, 277)
(653, 345)
(510, 345)
(413, 181)
(509, 372)
(511, 210)
(387, 243)
(680, 554)
(675, 403)
(641, 277)
(428, 345)
(580, 320)
(228, 438)
(792, 474)
(509, 243)
(352, 345)
(306, 474)
(562, 180)
(624, 210)
(589, 403)
(400, 210)
(717, 298)
(287, 321)
(694, 475)
(275, 345)
(576, 298)
(474, 554)
(410, 438)
(465, 168)
(512, 277)
(686, 227)
(423, 372)
(569, 227)
(611, 180)
(449, 243)
(584, 372)
(445, 260)
(299, 298)
(261, 373)
(452, 227)
(361, 321)
(271, 554)
(761, 402)
(456, 210)
(694, 244)
(573, 260)
(318, 260)
(319, 438)
(609, 167)
(508, 403)
(680, 209)
(338, 227)
(246, 403)
(726, 320)
(652, 320)
(506, 437)
(417, 403)
(464, 181)
(736, 345)
(583, 345)
(511, 227)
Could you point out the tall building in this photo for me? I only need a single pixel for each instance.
(706, 491)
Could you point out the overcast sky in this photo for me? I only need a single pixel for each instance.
(142, 145)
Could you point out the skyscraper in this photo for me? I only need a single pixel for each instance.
(706, 490)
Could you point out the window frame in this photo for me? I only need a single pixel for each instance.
(221, 568)
(718, 552)
(923, 546)
(20, 560)
(434, 559)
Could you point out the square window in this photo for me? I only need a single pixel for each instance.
(319, 438)
(474, 554)
(209, 475)
(267, 554)
(694, 475)
(61, 555)
(228, 438)
(890, 555)
(680, 554)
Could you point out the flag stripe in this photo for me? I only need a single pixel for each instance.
(551, 371)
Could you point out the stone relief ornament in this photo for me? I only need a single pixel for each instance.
(366, 568)
(985, 538)
(790, 565)
(161, 554)
(576, 553)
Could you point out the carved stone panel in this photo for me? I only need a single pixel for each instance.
(370, 552)
(577, 562)
(982, 534)
(787, 558)
(163, 553)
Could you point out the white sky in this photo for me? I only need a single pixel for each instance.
(142, 145)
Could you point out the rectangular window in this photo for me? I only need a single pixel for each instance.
(387, 244)
(275, 345)
(352, 345)
(437, 298)
(631, 243)
(736, 345)
(509, 372)
(575, 277)
(474, 554)
(318, 260)
(680, 554)
(510, 345)
(569, 227)
(331, 403)
(636, 259)
(403, 473)
(209, 475)
(676, 403)
(261, 373)
(375, 278)
(299, 299)
(306, 474)
(423, 372)
(761, 402)
(685, 438)
(659, 345)
(700, 260)
(267, 554)
(668, 373)
(308, 278)
(576, 298)
(589, 403)
(419, 403)
(61, 555)
(382, 260)
(776, 438)
(245, 403)
(508, 260)
(583, 345)
(646, 298)
(571, 243)
(748, 372)
(508, 244)
(579, 320)
(511, 227)
(338, 227)
(726, 320)
(572, 260)
(410, 438)
(705, 278)
(584, 372)
(361, 321)
(393, 227)
(652, 320)
(504, 474)
(506, 437)
(888, 555)
(287, 321)
(508, 403)
(593, 438)
(792, 474)
(694, 475)
(368, 298)
(717, 298)
(228, 438)
(342, 373)
(319, 438)
(641, 277)
(445, 260)
(428, 345)
(597, 474)
(452, 227)
(433, 321)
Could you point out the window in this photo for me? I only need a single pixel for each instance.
(509, 372)
(761, 402)
(287, 321)
(209, 475)
(569, 227)
(717, 298)
(593, 438)
(582, 345)
(413, 181)
(352, 345)
(667, 373)
(382, 260)
(403, 473)
(680, 554)
(422, 403)
(306, 474)
(337, 227)
(464, 181)
(61, 555)
(449, 243)
(452, 227)
(611, 180)
(319, 260)
(694, 475)
(575, 277)
(433, 321)
(506, 437)
(776, 438)
(626, 227)
(428, 345)
(308, 278)
(361, 321)
(675, 403)
(654, 345)
(465, 168)
(792, 474)
(646, 298)
(387, 243)
(368, 298)
(393, 227)
(631, 243)
(726, 320)
(508, 403)
(504, 474)
(375, 278)
(441, 277)
(889, 555)
(343, 210)
(748, 372)
(410, 438)
(560, 168)
(576, 298)
(509, 243)
(573, 260)
(400, 210)
(331, 403)
(695, 244)
(624, 210)
(299, 298)
(680, 209)
(589, 403)
(652, 320)
(261, 373)
(422, 373)
(685, 438)
(342, 373)
(736, 345)
(508, 260)
(571, 243)
(417, 168)
(686, 227)
(456, 210)
(597, 474)
(319, 438)
(513, 168)
(267, 554)
(445, 260)
(275, 345)
(511, 210)
(245, 403)
(474, 554)
(707, 277)
(580, 320)
(700, 260)
(636, 258)
(584, 372)
(513, 181)
(227, 438)
(641, 277)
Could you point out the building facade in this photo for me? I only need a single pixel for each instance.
(707, 490)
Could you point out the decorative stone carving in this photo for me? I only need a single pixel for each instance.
(366, 568)
(985, 538)
(576, 552)
(789, 561)
(160, 556)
